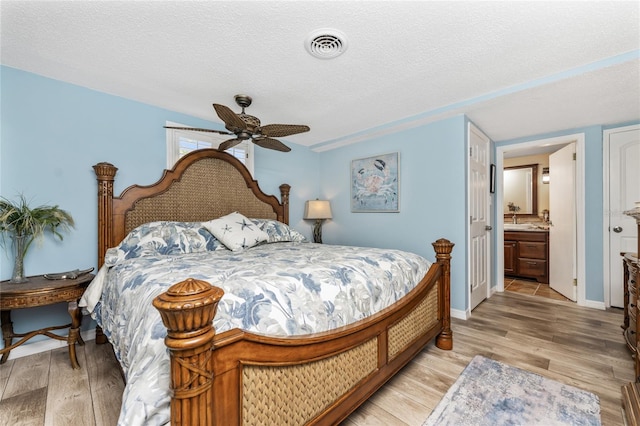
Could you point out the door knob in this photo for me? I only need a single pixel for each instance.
(617, 229)
(488, 228)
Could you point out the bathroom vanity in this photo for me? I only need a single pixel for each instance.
(526, 254)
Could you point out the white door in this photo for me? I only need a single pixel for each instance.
(562, 211)
(624, 175)
(479, 204)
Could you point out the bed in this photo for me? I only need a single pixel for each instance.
(226, 375)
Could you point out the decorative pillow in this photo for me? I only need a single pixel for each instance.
(236, 231)
(164, 238)
(279, 232)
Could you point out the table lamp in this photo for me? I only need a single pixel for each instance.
(318, 210)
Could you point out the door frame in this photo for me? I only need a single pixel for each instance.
(606, 153)
(579, 139)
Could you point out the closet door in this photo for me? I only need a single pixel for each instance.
(623, 174)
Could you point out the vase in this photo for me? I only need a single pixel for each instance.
(19, 243)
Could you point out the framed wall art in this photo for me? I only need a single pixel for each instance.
(375, 184)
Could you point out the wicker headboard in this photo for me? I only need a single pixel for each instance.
(203, 185)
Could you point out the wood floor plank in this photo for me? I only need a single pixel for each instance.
(369, 414)
(406, 409)
(447, 362)
(69, 396)
(553, 350)
(417, 385)
(24, 409)
(28, 374)
(624, 374)
(5, 371)
(106, 382)
(593, 372)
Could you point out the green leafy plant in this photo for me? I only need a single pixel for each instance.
(21, 222)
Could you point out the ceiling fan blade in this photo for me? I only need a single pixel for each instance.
(195, 129)
(230, 118)
(229, 144)
(271, 144)
(280, 130)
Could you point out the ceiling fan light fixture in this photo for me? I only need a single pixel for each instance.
(247, 127)
(244, 135)
(326, 43)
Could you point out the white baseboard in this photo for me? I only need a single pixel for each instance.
(594, 304)
(457, 313)
(47, 345)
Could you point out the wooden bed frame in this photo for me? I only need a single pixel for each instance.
(237, 377)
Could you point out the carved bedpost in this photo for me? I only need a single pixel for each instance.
(187, 310)
(443, 250)
(284, 199)
(105, 173)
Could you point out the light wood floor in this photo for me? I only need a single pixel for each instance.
(560, 340)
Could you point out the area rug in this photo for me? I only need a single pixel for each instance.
(491, 393)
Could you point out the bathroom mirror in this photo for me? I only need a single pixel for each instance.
(521, 188)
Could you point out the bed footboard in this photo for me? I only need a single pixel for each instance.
(239, 378)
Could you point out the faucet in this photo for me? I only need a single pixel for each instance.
(515, 218)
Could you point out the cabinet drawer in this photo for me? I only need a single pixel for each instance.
(526, 236)
(532, 250)
(532, 267)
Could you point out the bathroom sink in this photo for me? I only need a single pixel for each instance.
(518, 226)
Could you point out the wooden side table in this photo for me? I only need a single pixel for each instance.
(39, 291)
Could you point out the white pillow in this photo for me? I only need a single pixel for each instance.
(236, 231)
(278, 231)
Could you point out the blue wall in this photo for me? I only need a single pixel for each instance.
(432, 196)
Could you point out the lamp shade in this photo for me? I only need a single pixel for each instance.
(317, 209)
(545, 175)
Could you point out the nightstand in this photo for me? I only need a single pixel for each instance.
(39, 291)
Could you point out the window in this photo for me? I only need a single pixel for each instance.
(181, 142)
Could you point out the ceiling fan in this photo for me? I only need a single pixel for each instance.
(246, 126)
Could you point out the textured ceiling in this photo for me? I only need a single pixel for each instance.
(515, 68)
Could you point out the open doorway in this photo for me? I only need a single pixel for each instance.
(576, 261)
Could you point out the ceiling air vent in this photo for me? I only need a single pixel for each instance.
(326, 43)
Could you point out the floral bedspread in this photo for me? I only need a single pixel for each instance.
(284, 288)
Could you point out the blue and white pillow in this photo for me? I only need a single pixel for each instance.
(164, 238)
(279, 232)
(236, 231)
